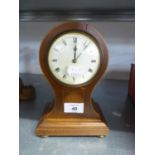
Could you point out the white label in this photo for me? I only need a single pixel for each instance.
(73, 107)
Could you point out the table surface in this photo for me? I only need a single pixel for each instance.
(112, 96)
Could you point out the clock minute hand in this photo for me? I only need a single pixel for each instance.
(82, 51)
(86, 45)
(78, 56)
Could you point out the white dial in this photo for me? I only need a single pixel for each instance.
(74, 58)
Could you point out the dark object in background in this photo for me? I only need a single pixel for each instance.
(132, 83)
(26, 93)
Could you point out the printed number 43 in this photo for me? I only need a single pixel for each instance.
(74, 108)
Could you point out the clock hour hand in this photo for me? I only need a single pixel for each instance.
(74, 59)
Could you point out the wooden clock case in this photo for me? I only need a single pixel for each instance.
(54, 121)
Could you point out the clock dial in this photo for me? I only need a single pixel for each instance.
(74, 58)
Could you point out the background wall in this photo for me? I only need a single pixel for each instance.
(120, 38)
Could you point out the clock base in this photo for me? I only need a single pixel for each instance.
(72, 125)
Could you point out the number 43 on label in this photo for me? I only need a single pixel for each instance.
(73, 107)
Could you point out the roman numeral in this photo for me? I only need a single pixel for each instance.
(93, 61)
(75, 40)
(90, 70)
(64, 76)
(55, 49)
(54, 60)
(64, 42)
(57, 69)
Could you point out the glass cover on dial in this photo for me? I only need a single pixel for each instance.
(74, 58)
